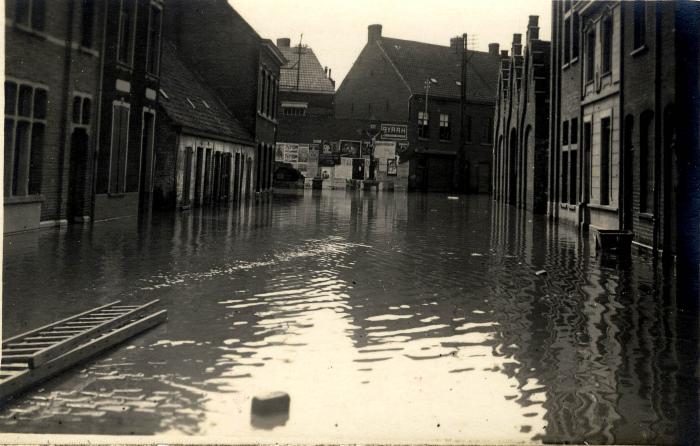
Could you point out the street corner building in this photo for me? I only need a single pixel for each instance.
(241, 68)
(204, 155)
(615, 166)
(443, 95)
(522, 123)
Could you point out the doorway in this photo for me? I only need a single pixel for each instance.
(78, 168)
(358, 169)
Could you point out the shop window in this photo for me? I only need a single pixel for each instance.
(154, 30)
(125, 49)
(25, 126)
(423, 125)
(640, 23)
(31, 13)
(607, 44)
(605, 143)
(87, 22)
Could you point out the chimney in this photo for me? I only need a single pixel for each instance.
(284, 42)
(517, 45)
(493, 49)
(533, 30)
(325, 71)
(374, 33)
(504, 53)
(457, 44)
(329, 74)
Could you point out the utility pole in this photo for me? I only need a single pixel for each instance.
(299, 60)
(461, 155)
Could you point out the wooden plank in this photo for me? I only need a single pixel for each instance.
(31, 377)
(45, 327)
(61, 347)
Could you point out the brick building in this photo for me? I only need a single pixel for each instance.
(242, 69)
(613, 159)
(522, 123)
(53, 57)
(306, 93)
(201, 149)
(387, 84)
(127, 112)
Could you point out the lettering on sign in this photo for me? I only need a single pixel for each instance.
(394, 131)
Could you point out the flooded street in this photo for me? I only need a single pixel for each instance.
(385, 317)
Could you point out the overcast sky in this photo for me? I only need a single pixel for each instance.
(337, 29)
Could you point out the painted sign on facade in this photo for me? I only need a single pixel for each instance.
(350, 149)
(396, 132)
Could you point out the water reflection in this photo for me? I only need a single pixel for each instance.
(386, 317)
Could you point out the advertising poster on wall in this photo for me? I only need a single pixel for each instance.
(279, 151)
(291, 154)
(391, 167)
(303, 154)
(350, 149)
(385, 149)
(329, 154)
(367, 149)
(313, 153)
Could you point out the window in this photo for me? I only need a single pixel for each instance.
(573, 175)
(574, 131)
(468, 128)
(567, 40)
(294, 110)
(87, 22)
(607, 44)
(31, 13)
(445, 130)
(125, 50)
(25, 124)
(646, 163)
(81, 110)
(590, 55)
(575, 36)
(154, 29)
(565, 133)
(564, 176)
(486, 132)
(640, 23)
(423, 128)
(605, 135)
(119, 148)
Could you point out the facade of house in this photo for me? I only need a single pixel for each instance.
(613, 158)
(201, 148)
(53, 58)
(522, 123)
(242, 69)
(127, 114)
(306, 93)
(387, 84)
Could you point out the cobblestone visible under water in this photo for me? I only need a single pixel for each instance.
(385, 317)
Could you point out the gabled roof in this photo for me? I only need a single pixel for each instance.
(312, 77)
(418, 61)
(190, 104)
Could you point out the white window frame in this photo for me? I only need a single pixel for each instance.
(118, 103)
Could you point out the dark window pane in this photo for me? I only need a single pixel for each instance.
(21, 153)
(25, 100)
(22, 12)
(36, 159)
(87, 22)
(77, 101)
(10, 98)
(40, 103)
(154, 41)
(87, 109)
(38, 14)
(9, 133)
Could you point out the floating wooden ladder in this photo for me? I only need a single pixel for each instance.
(38, 354)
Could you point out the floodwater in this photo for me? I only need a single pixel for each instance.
(385, 317)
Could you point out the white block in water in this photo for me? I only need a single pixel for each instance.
(452, 197)
(271, 403)
(541, 272)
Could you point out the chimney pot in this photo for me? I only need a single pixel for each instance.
(533, 20)
(283, 42)
(374, 33)
(517, 38)
(493, 49)
(504, 53)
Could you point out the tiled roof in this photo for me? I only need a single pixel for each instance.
(312, 77)
(417, 61)
(190, 104)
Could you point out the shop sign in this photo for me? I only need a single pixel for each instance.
(397, 132)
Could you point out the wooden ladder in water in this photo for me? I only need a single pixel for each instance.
(38, 354)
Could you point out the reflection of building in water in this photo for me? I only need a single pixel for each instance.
(599, 349)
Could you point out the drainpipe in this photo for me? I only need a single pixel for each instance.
(98, 127)
(657, 126)
(67, 89)
(621, 199)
